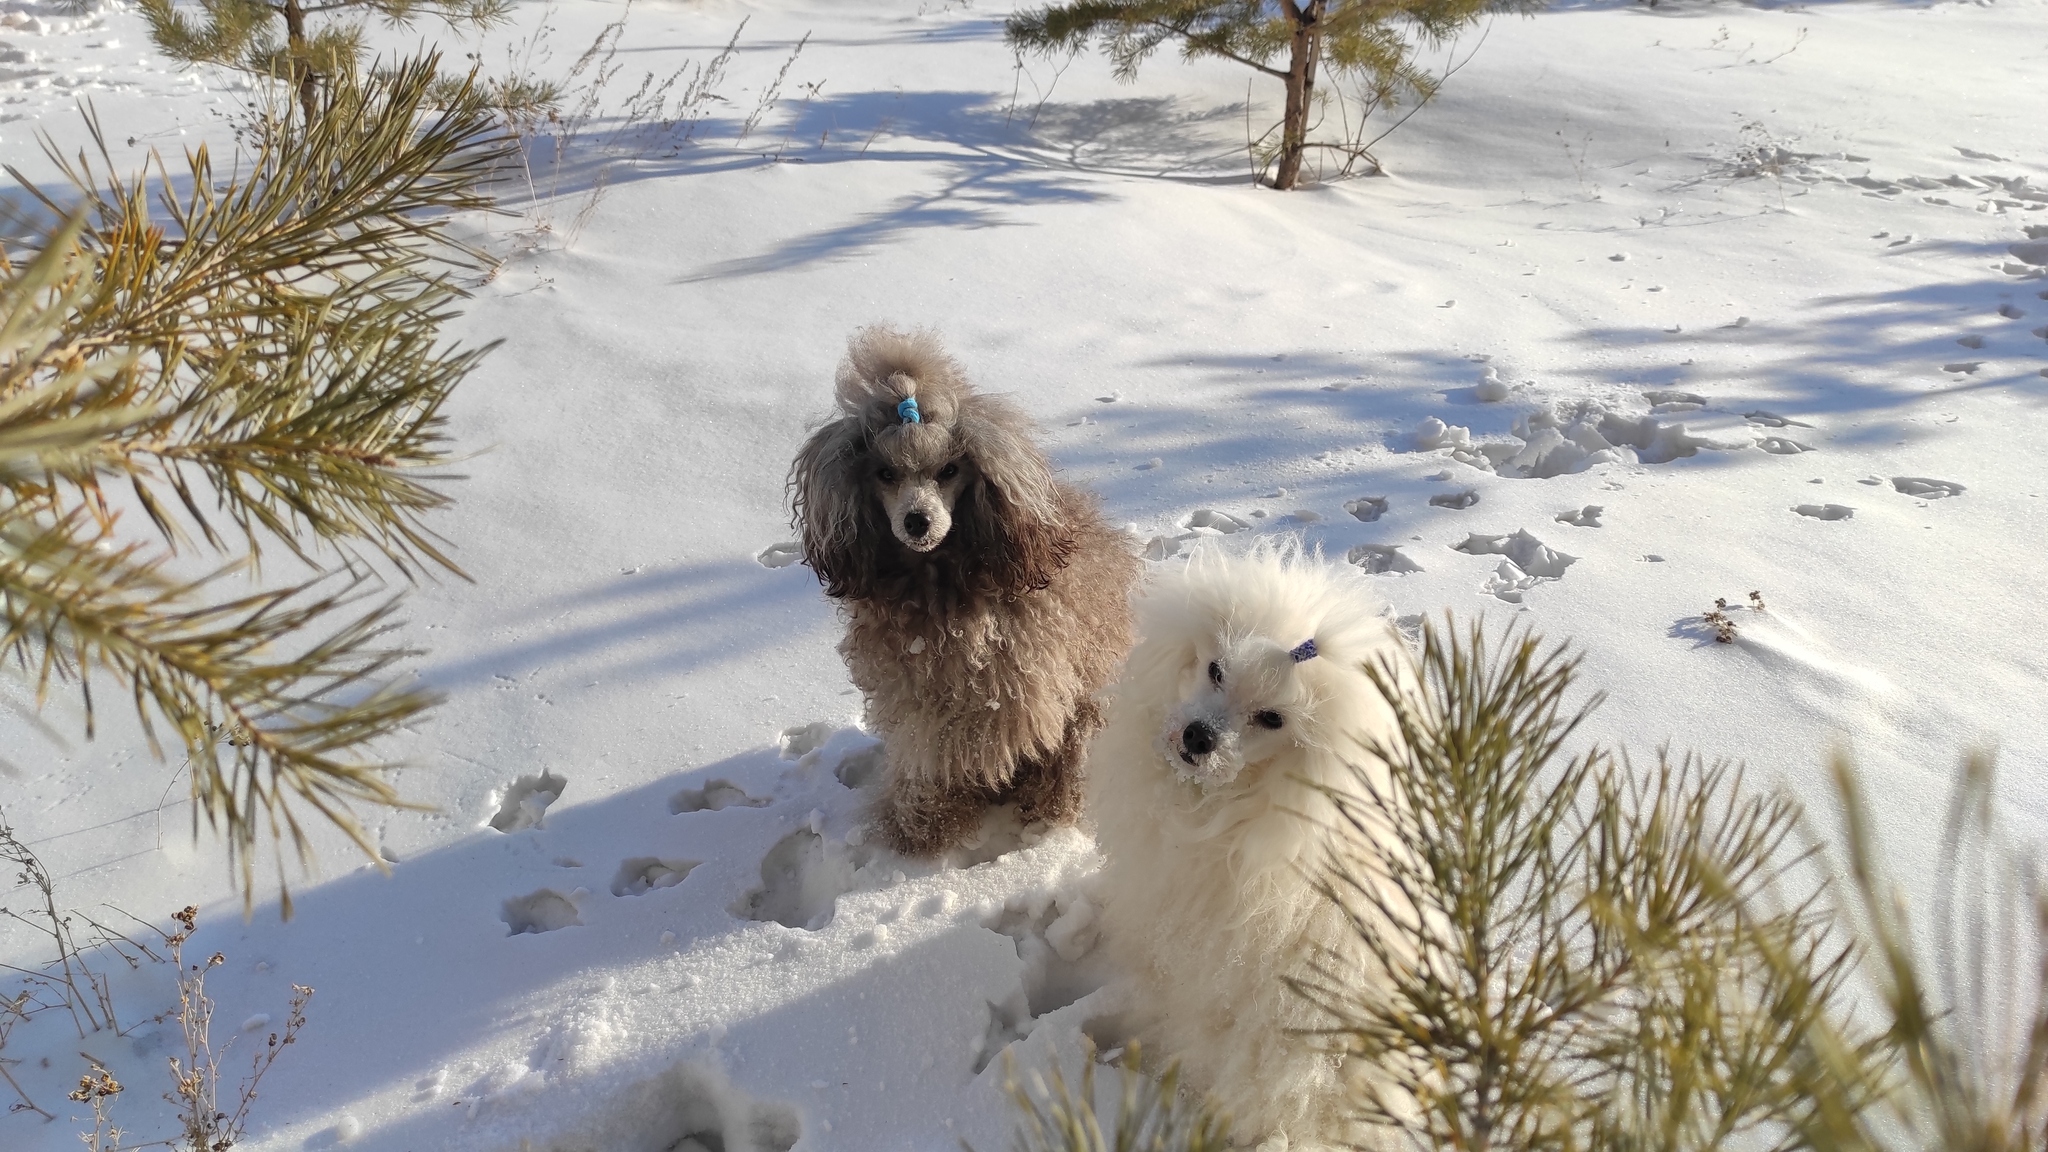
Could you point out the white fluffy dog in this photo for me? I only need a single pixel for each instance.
(1245, 696)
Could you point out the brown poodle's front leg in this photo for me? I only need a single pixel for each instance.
(918, 817)
(1049, 789)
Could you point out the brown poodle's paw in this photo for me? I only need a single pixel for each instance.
(1048, 797)
(927, 823)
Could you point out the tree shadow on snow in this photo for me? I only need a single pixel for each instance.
(992, 155)
(653, 623)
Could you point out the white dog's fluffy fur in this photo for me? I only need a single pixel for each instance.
(1204, 793)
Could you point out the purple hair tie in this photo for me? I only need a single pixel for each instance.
(1306, 650)
(907, 411)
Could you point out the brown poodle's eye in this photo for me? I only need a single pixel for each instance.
(886, 475)
(1215, 673)
(1267, 719)
(949, 471)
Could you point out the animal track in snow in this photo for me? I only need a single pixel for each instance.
(689, 1107)
(1201, 522)
(527, 800)
(780, 555)
(1672, 400)
(1459, 501)
(1964, 367)
(1055, 937)
(1783, 446)
(1925, 488)
(1528, 553)
(639, 875)
(1773, 420)
(2010, 312)
(1381, 559)
(802, 878)
(1587, 517)
(1971, 342)
(1210, 518)
(1529, 562)
(1826, 511)
(1367, 508)
(713, 796)
(793, 742)
(543, 911)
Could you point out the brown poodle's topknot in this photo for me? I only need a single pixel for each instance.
(885, 366)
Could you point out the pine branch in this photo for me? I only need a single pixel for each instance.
(257, 361)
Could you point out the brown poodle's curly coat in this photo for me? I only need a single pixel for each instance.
(979, 654)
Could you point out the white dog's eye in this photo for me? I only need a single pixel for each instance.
(1267, 719)
(1215, 673)
(949, 471)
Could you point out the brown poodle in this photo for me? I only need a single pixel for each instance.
(986, 602)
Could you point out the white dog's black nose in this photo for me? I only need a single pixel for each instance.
(917, 524)
(1197, 739)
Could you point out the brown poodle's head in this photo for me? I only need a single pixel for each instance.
(919, 463)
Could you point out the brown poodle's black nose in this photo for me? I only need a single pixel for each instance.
(917, 524)
(1198, 739)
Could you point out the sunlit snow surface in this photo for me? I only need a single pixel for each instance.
(1656, 306)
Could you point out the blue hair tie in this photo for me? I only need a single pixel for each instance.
(1306, 650)
(907, 411)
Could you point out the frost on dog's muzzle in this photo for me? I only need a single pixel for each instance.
(1202, 750)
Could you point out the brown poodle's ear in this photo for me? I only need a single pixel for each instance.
(833, 511)
(1015, 517)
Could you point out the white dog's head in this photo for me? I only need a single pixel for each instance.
(1252, 672)
(1236, 699)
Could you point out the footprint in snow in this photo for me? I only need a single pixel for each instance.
(1926, 488)
(1671, 400)
(1963, 367)
(714, 796)
(802, 878)
(780, 555)
(1210, 518)
(1587, 517)
(1457, 501)
(543, 911)
(1382, 559)
(688, 1107)
(1367, 508)
(799, 740)
(524, 803)
(1528, 562)
(1971, 342)
(639, 875)
(1773, 420)
(1826, 511)
(1055, 939)
(1783, 446)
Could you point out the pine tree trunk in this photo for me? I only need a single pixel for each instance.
(302, 65)
(1302, 51)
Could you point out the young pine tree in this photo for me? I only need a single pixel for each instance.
(243, 34)
(1293, 41)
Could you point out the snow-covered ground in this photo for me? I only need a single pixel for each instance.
(1766, 253)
